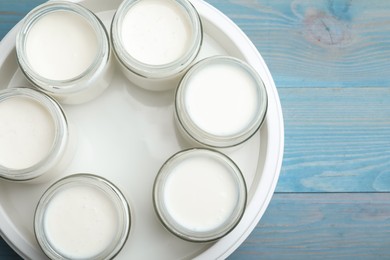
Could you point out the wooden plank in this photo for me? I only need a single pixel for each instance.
(321, 226)
(318, 43)
(336, 140)
(305, 44)
(11, 12)
(314, 226)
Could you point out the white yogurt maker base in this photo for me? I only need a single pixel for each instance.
(150, 139)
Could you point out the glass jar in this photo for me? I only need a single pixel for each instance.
(156, 41)
(199, 195)
(221, 102)
(34, 134)
(64, 50)
(82, 216)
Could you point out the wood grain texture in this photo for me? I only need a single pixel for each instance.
(336, 140)
(323, 43)
(314, 226)
(321, 226)
(11, 12)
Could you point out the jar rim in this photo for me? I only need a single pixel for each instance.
(156, 71)
(209, 139)
(61, 135)
(74, 84)
(88, 180)
(201, 236)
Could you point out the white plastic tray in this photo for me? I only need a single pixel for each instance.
(127, 133)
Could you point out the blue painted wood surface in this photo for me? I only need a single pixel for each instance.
(321, 226)
(337, 139)
(330, 60)
(321, 43)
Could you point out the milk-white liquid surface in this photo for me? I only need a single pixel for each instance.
(80, 222)
(200, 193)
(61, 45)
(221, 99)
(26, 132)
(156, 32)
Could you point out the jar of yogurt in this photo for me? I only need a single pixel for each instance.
(82, 216)
(34, 135)
(221, 102)
(64, 50)
(200, 195)
(156, 41)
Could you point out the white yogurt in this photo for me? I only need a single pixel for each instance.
(64, 50)
(82, 216)
(80, 221)
(61, 45)
(221, 99)
(221, 102)
(27, 132)
(156, 41)
(156, 32)
(200, 195)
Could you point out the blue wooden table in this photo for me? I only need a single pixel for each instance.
(330, 60)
